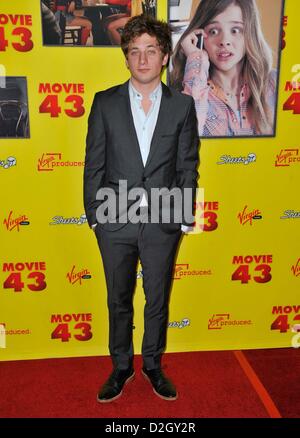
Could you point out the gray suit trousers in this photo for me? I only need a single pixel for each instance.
(120, 251)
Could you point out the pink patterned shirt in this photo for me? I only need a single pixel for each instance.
(215, 116)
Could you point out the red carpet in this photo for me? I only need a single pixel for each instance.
(210, 384)
(279, 370)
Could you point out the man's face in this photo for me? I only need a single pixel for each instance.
(145, 59)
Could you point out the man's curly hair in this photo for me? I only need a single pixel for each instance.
(141, 24)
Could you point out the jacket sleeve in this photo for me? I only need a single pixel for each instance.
(94, 170)
(187, 162)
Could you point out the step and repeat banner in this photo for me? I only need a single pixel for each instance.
(236, 283)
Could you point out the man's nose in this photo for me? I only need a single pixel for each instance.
(143, 58)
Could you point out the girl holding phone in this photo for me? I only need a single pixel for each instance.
(224, 62)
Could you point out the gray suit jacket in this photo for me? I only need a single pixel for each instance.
(113, 153)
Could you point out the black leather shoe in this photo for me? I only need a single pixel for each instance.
(162, 386)
(112, 388)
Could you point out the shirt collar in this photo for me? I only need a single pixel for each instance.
(156, 93)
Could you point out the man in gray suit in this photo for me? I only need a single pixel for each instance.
(144, 134)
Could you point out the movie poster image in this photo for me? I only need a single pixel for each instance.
(89, 23)
(226, 55)
(14, 117)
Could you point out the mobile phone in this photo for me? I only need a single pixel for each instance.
(200, 41)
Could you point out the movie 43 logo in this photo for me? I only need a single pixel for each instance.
(257, 268)
(18, 277)
(284, 24)
(53, 101)
(72, 325)
(285, 315)
(210, 221)
(20, 36)
(293, 102)
(52, 106)
(209, 215)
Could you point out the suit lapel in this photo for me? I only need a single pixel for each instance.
(162, 122)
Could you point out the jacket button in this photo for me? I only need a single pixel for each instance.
(145, 178)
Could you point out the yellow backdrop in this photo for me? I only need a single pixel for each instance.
(236, 285)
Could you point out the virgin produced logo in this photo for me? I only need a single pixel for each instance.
(286, 157)
(296, 268)
(219, 321)
(51, 160)
(182, 270)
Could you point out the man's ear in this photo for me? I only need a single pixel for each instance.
(126, 62)
(165, 59)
